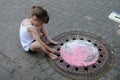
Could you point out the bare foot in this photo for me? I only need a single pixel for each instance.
(54, 51)
(52, 56)
(51, 42)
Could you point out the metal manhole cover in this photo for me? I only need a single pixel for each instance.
(75, 68)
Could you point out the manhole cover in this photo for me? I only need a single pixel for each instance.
(82, 56)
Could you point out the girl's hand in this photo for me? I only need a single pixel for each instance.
(50, 41)
(53, 51)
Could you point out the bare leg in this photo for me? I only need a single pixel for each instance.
(51, 55)
(36, 47)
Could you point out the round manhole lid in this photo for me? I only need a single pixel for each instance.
(82, 56)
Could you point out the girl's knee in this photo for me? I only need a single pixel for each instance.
(35, 45)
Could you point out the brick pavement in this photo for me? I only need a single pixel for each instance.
(65, 15)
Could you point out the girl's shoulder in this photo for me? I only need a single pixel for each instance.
(26, 22)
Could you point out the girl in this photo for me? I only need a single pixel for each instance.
(31, 30)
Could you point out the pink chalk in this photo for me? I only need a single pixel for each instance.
(80, 56)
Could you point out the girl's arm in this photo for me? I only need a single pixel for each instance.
(45, 33)
(48, 39)
(34, 32)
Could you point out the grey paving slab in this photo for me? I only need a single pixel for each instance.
(56, 76)
(5, 74)
(102, 78)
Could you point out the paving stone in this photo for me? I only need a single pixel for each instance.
(7, 64)
(109, 77)
(1, 57)
(49, 71)
(102, 78)
(45, 66)
(4, 75)
(115, 73)
(117, 67)
(56, 76)
(64, 78)
(118, 77)
(49, 79)
(43, 76)
(21, 63)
